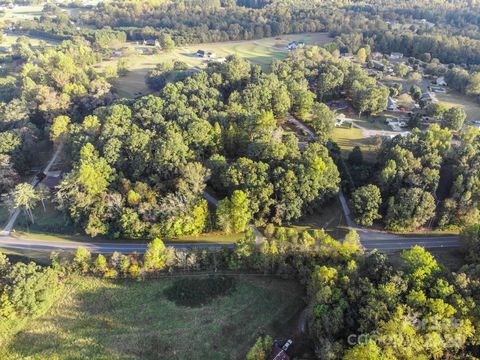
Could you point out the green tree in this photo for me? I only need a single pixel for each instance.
(409, 209)
(60, 128)
(366, 202)
(356, 156)
(82, 259)
(420, 265)
(362, 55)
(156, 256)
(261, 349)
(454, 118)
(352, 241)
(365, 351)
(25, 197)
(401, 69)
(166, 42)
(234, 214)
(473, 87)
(323, 121)
(470, 240)
(100, 265)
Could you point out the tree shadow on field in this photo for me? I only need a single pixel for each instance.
(127, 319)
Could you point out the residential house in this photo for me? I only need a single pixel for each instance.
(377, 65)
(441, 81)
(392, 104)
(279, 353)
(295, 44)
(340, 119)
(151, 42)
(428, 97)
(347, 55)
(396, 56)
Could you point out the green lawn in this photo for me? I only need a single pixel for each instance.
(102, 319)
(348, 138)
(469, 104)
(261, 52)
(23, 12)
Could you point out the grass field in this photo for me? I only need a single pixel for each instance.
(101, 319)
(348, 138)
(23, 12)
(471, 107)
(261, 52)
(9, 40)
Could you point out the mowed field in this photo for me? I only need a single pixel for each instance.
(467, 103)
(103, 319)
(261, 52)
(22, 12)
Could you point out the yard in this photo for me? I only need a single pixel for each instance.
(23, 12)
(103, 319)
(348, 138)
(261, 52)
(471, 107)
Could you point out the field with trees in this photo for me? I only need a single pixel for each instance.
(260, 52)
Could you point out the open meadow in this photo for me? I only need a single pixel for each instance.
(467, 103)
(261, 52)
(103, 319)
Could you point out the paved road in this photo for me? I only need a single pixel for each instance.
(371, 239)
(381, 240)
(35, 181)
(301, 125)
(10, 242)
(384, 245)
(403, 243)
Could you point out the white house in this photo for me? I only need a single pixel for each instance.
(396, 56)
(392, 104)
(441, 81)
(340, 119)
(295, 44)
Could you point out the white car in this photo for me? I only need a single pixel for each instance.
(287, 345)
